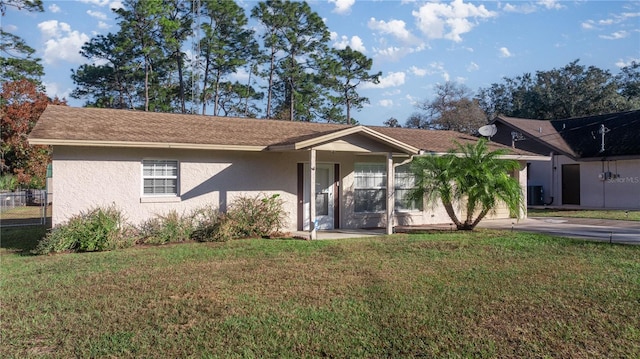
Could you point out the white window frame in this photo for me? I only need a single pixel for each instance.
(377, 182)
(401, 186)
(175, 177)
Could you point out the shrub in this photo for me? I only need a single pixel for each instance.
(211, 226)
(98, 229)
(257, 216)
(171, 227)
(8, 182)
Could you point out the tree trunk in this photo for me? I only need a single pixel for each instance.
(452, 213)
(179, 59)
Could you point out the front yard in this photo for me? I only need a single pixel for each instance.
(483, 294)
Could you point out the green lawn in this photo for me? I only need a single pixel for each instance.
(483, 294)
(585, 213)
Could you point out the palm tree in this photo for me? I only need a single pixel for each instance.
(471, 178)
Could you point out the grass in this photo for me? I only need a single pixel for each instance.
(23, 212)
(483, 294)
(629, 215)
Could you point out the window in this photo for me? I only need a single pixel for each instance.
(159, 177)
(370, 187)
(405, 181)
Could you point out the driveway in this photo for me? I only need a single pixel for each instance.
(627, 232)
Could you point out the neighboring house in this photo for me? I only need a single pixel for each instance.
(595, 160)
(150, 163)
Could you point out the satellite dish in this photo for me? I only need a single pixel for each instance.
(488, 130)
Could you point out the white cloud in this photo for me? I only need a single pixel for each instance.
(449, 21)
(342, 6)
(621, 63)
(615, 36)
(61, 43)
(504, 52)
(111, 4)
(588, 25)
(418, 71)
(355, 43)
(385, 103)
(395, 28)
(10, 28)
(525, 8)
(53, 90)
(54, 8)
(103, 25)
(97, 14)
(473, 67)
(550, 4)
(394, 79)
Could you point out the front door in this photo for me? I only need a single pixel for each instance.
(571, 184)
(322, 198)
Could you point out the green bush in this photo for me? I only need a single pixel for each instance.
(8, 182)
(98, 229)
(258, 216)
(211, 226)
(171, 227)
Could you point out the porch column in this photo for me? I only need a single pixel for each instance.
(312, 194)
(390, 193)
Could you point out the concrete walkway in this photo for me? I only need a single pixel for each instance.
(627, 232)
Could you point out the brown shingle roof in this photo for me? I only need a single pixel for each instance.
(63, 123)
(108, 125)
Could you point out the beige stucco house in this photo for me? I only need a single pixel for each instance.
(595, 160)
(150, 163)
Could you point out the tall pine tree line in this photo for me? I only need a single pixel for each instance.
(185, 56)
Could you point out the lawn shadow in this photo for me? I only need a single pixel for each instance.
(21, 239)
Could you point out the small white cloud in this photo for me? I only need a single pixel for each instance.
(449, 21)
(473, 67)
(394, 79)
(588, 25)
(550, 4)
(520, 8)
(53, 89)
(395, 28)
(103, 25)
(412, 100)
(10, 28)
(61, 43)
(622, 63)
(504, 52)
(342, 6)
(385, 103)
(54, 8)
(615, 36)
(355, 43)
(97, 14)
(418, 71)
(116, 5)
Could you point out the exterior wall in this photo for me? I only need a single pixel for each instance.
(88, 177)
(622, 192)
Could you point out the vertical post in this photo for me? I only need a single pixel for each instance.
(390, 193)
(312, 195)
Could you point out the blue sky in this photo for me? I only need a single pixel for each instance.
(416, 44)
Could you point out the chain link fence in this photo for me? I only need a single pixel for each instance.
(23, 208)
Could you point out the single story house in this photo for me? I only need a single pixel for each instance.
(595, 160)
(150, 163)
